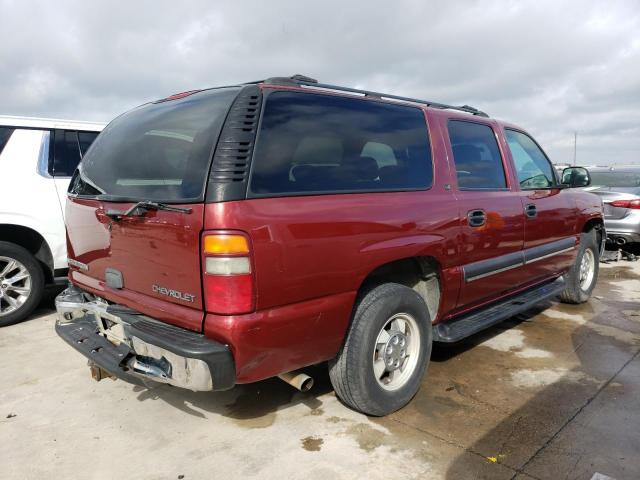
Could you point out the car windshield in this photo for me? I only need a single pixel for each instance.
(160, 151)
(616, 179)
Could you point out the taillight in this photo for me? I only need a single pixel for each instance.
(634, 204)
(227, 273)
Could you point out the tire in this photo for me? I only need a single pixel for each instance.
(22, 302)
(352, 371)
(578, 291)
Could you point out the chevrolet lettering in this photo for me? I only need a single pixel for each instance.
(187, 297)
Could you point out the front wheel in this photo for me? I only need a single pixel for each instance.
(583, 275)
(381, 364)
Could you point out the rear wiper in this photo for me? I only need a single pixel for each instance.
(141, 208)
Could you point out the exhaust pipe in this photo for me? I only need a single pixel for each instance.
(298, 380)
(621, 240)
(150, 368)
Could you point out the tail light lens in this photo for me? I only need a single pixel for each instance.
(227, 275)
(633, 204)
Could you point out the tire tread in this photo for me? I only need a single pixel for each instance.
(573, 294)
(344, 377)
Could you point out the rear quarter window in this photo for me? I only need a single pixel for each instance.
(5, 135)
(85, 139)
(66, 153)
(313, 144)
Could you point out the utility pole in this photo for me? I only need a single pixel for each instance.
(575, 147)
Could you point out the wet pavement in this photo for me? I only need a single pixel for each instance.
(551, 394)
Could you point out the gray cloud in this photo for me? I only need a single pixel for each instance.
(551, 67)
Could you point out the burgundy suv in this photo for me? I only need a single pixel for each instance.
(228, 235)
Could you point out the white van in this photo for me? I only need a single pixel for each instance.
(37, 158)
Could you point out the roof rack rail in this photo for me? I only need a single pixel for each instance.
(298, 80)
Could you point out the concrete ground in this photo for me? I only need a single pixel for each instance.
(552, 394)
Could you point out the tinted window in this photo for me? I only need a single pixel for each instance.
(476, 156)
(160, 151)
(381, 153)
(310, 143)
(66, 153)
(616, 179)
(85, 139)
(532, 166)
(5, 134)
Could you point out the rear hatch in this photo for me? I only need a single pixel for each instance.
(135, 210)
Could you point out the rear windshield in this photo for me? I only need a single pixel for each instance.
(615, 179)
(313, 144)
(160, 151)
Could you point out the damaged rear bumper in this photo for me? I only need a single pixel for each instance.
(132, 346)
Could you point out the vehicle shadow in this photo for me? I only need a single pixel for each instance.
(48, 302)
(561, 431)
(443, 352)
(252, 405)
(255, 405)
(46, 306)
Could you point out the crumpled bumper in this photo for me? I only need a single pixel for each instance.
(134, 347)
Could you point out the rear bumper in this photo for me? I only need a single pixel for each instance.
(135, 347)
(626, 228)
(620, 238)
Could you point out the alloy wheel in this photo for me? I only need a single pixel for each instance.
(396, 351)
(587, 269)
(15, 285)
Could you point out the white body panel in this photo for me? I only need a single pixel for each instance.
(28, 199)
(61, 186)
(29, 196)
(49, 123)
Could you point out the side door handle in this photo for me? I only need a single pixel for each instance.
(531, 211)
(476, 218)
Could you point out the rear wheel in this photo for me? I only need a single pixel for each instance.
(583, 275)
(381, 364)
(21, 283)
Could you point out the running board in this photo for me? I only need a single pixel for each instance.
(462, 327)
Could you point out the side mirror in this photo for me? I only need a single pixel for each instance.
(576, 177)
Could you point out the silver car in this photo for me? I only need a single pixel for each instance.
(619, 188)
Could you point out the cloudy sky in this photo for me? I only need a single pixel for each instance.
(551, 67)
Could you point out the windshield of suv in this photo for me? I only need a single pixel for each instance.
(615, 179)
(159, 151)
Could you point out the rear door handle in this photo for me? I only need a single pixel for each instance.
(531, 211)
(476, 218)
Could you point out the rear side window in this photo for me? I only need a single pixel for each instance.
(628, 179)
(85, 139)
(532, 166)
(66, 153)
(476, 156)
(311, 143)
(5, 134)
